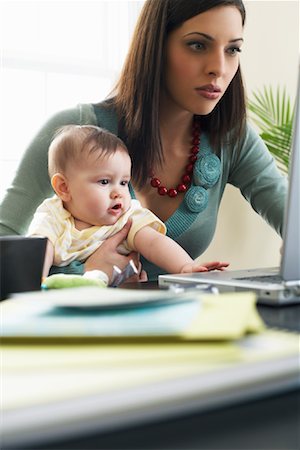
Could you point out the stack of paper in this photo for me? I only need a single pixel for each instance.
(75, 363)
(115, 313)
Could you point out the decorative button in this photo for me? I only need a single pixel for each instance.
(207, 171)
(196, 199)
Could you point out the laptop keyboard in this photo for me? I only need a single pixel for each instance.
(263, 278)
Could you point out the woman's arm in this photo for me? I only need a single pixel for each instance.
(253, 170)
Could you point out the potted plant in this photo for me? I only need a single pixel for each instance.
(271, 111)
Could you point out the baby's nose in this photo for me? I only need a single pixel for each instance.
(115, 194)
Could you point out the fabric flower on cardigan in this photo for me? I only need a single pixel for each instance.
(207, 171)
(196, 199)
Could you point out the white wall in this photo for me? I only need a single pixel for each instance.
(270, 56)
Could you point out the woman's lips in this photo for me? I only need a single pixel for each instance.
(209, 91)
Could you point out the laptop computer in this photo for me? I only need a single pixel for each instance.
(272, 285)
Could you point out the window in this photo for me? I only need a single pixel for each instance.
(54, 55)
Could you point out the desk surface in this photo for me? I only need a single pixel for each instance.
(270, 423)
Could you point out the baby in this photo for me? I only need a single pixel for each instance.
(90, 171)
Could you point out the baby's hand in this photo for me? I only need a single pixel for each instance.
(204, 267)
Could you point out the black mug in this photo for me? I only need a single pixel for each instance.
(21, 264)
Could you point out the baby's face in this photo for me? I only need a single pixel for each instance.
(99, 188)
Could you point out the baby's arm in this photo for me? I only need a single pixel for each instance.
(167, 254)
(48, 260)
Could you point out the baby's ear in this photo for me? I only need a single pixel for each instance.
(60, 185)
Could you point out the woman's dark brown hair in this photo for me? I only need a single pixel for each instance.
(137, 93)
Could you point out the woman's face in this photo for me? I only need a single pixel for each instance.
(202, 57)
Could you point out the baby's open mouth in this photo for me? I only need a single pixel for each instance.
(117, 206)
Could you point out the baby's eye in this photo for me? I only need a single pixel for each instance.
(124, 183)
(104, 181)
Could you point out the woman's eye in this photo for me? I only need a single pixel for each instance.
(234, 50)
(196, 46)
(105, 181)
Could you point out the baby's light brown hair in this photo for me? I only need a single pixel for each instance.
(71, 143)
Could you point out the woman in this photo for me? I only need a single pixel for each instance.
(179, 105)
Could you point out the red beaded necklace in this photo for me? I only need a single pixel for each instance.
(188, 173)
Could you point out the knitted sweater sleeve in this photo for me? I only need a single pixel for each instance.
(253, 170)
(31, 184)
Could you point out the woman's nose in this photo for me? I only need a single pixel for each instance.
(216, 64)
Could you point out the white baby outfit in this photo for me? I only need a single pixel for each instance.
(53, 221)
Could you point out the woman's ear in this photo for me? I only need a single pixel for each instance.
(60, 185)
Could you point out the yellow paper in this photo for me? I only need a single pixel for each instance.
(225, 316)
(34, 375)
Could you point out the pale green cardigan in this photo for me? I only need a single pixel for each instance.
(252, 170)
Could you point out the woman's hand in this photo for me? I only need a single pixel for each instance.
(107, 256)
(141, 275)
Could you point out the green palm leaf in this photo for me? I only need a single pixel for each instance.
(272, 113)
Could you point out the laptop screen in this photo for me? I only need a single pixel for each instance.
(290, 262)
